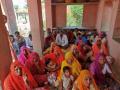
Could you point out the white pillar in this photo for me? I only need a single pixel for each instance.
(9, 12)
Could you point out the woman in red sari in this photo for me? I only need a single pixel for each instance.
(80, 47)
(57, 55)
(19, 78)
(77, 54)
(50, 49)
(37, 68)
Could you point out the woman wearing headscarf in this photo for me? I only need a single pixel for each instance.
(50, 49)
(71, 62)
(98, 47)
(24, 54)
(77, 54)
(80, 47)
(100, 69)
(19, 78)
(85, 81)
(57, 55)
(37, 68)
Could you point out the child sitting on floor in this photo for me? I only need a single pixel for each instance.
(51, 71)
(66, 82)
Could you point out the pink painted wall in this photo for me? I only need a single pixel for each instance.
(48, 12)
(114, 46)
(55, 15)
(90, 15)
(61, 15)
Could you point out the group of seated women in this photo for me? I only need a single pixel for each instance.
(84, 65)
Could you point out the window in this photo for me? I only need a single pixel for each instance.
(74, 15)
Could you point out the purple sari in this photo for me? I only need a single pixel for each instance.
(96, 70)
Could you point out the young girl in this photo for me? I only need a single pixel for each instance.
(51, 68)
(67, 79)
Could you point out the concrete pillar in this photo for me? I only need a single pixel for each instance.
(35, 15)
(9, 12)
(5, 54)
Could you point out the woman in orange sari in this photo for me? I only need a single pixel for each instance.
(85, 81)
(19, 78)
(98, 47)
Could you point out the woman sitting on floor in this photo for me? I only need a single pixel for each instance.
(24, 54)
(37, 68)
(77, 54)
(19, 78)
(81, 48)
(71, 62)
(57, 55)
(85, 81)
(98, 47)
(50, 49)
(100, 69)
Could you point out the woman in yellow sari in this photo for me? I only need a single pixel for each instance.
(85, 81)
(71, 62)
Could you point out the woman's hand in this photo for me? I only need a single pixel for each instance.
(25, 78)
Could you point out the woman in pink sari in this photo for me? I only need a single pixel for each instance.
(101, 70)
(24, 54)
(37, 68)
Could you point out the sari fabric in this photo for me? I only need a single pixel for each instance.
(80, 47)
(15, 82)
(50, 49)
(71, 37)
(50, 56)
(77, 54)
(22, 58)
(37, 69)
(60, 56)
(80, 81)
(55, 58)
(75, 66)
(48, 41)
(96, 50)
(96, 70)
